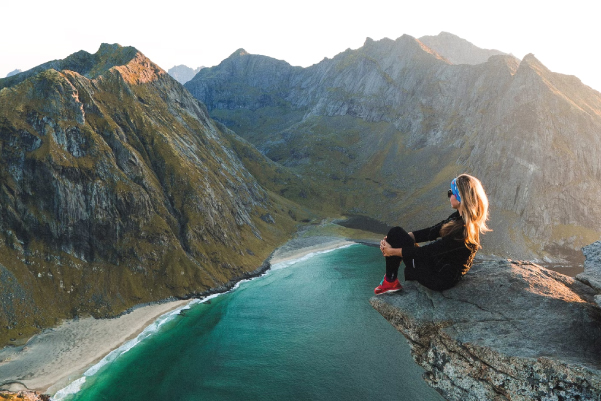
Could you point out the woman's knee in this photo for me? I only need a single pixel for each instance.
(398, 237)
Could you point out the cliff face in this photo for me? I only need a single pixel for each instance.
(385, 127)
(117, 189)
(508, 331)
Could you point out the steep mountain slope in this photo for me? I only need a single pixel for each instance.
(384, 128)
(458, 50)
(117, 189)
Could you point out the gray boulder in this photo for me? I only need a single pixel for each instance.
(508, 331)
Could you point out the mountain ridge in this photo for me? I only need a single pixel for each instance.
(417, 109)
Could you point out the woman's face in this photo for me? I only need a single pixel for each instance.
(454, 202)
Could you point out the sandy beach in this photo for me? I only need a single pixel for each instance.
(58, 356)
(51, 360)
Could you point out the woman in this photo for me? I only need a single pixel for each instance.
(441, 264)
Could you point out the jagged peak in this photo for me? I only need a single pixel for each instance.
(405, 38)
(531, 62)
(239, 53)
(412, 41)
(530, 58)
(447, 35)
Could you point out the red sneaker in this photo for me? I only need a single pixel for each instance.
(386, 286)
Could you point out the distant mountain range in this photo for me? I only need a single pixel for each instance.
(15, 72)
(182, 73)
(384, 129)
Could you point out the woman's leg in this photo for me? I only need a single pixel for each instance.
(397, 238)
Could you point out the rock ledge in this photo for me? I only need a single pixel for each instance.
(508, 331)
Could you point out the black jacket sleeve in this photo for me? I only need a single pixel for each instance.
(432, 233)
(436, 250)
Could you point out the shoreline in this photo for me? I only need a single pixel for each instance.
(52, 359)
(55, 358)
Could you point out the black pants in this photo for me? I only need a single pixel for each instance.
(398, 238)
(434, 276)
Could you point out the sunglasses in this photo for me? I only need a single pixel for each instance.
(449, 193)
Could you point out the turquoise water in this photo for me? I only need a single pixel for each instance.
(303, 332)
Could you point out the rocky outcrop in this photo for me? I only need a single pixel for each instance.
(592, 268)
(117, 188)
(23, 396)
(507, 331)
(458, 50)
(183, 73)
(385, 128)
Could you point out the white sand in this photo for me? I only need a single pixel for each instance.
(51, 360)
(299, 248)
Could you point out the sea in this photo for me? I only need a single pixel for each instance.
(303, 331)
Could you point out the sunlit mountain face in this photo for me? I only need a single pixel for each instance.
(118, 189)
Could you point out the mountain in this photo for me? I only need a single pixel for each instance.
(182, 73)
(458, 50)
(385, 128)
(117, 189)
(15, 72)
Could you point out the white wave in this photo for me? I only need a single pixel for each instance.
(288, 263)
(71, 389)
(76, 385)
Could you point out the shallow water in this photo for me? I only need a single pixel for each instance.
(303, 332)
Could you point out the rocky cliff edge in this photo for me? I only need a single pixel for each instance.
(508, 331)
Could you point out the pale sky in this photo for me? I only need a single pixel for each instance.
(564, 35)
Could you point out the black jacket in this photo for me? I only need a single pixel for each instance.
(440, 264)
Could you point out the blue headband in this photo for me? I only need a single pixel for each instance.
(455, 190)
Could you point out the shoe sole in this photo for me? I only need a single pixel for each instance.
(387, 291)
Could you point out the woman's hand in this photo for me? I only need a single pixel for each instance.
(388, 250)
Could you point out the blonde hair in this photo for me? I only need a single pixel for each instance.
(473, 208)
